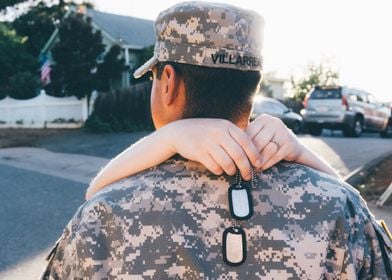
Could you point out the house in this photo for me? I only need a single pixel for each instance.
(130, 33)
(280, 87)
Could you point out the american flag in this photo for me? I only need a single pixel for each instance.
(45, 72)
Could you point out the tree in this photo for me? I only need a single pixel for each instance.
(315, 75)
(9, 3)
(37, 25)
(19, 7)
(75, 57)
(110, 69)
(39, 22)
(18, 77)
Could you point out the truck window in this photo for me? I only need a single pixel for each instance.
(326, 94)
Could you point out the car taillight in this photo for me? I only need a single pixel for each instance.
(305, 101)
(345, 103)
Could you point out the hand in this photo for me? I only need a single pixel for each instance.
(274, 141)
(218, 144)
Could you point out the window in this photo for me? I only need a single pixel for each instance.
(353, 97)
(326, 94)
(372, 99)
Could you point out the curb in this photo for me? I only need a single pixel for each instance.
(357, 176)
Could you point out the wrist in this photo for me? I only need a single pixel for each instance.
(167, 137)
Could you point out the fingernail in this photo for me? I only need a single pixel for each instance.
(257, 163)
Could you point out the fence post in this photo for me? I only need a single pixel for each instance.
(42, 100)
(93, 97)
(7, 110)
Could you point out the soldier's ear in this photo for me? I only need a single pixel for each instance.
(170, 85)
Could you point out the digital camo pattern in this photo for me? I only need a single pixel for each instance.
(167, 223)
(208, 34)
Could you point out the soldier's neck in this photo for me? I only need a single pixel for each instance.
(243, 124)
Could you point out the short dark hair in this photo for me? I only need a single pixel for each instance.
(215, 92)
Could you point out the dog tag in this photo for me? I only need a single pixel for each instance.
(240, 202)
(234, 246)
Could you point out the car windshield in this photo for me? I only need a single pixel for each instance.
(335, 93)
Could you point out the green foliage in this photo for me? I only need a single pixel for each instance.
(94, 124)
(293, 104)
(110, 69)
(9, 3)
(37, 25)
(18, 67)
(315, 75)
(75, 56)
(23, 85)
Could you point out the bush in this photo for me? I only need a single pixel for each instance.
(96, 125)
(23, 85)
(295, 105)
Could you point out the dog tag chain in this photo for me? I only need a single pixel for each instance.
(241, 208)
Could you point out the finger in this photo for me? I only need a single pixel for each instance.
(208, 161)
(238, 155)
(247, 145)
(256, 126)
(278, 156)
(221, 157)
(263, 138)
(268, 152)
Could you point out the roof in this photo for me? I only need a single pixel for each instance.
(137, 32)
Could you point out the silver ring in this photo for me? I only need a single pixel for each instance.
(274, 141)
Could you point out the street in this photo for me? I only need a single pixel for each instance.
(42, 187)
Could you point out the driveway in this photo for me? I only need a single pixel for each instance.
(348, 154)
(42, 187)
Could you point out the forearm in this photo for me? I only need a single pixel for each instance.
(309, 158)
(142, 155)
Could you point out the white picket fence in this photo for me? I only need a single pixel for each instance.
(44, 111)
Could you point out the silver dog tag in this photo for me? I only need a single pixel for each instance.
(240, 202)
(234, 246)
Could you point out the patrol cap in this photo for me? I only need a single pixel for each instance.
(208, 34)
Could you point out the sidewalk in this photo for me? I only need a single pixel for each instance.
(78, 168)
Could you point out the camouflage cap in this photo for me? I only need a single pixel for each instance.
(208, 34)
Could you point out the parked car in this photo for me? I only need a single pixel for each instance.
(348, 109)
(388, 132)
(273, 107)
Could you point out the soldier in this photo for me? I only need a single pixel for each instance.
(178, 220)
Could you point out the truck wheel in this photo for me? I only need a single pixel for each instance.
(314, 130)
(355, 130)
(387, 133)
(296, 128)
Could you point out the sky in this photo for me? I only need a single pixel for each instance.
(351, 36)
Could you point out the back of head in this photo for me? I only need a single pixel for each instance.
(216, 49)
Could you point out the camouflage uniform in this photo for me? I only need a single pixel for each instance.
(167, 223)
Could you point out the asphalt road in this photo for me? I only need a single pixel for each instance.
(34, 210)
(348, 154)
(39, 197)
